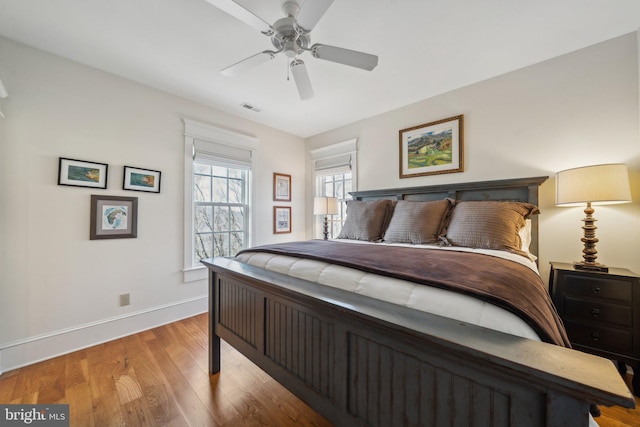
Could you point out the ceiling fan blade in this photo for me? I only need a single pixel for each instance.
(248, 63)
(301, 77)
(241, 13)
(311, 12)
(340, 55)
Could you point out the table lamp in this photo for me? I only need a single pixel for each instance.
(325, 206)
(598, 185)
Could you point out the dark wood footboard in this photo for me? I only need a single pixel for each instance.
(361, 361)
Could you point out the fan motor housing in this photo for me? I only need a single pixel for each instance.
(287, 38)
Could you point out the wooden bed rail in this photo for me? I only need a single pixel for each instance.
(361, 361)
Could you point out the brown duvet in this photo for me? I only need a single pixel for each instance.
(501, 282)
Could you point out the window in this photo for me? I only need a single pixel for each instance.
(335, 185)
(334, 173)
(220, 210)
(217, 201)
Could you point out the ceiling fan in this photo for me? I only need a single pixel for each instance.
(291, 36)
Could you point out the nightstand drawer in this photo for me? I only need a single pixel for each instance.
(614, 340)
(580, 309)
(601, 287)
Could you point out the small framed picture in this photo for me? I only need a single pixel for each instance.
(80, 173)
(281, 187)
(136, 179)
(281, 219)
(432, 148)
(113, 217)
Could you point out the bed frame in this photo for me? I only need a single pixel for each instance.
(361, 361)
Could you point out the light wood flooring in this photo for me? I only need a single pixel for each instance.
(160, 378)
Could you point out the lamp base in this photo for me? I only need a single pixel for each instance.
(590, 266)
(325, 228)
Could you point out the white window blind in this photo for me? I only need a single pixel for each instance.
(334, 159)
(221, 154)
(333, 165)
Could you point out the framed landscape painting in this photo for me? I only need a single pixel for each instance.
(137, 179)
(432, 148)
(80, 173)
(113, 217)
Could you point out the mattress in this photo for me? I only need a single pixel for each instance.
(437, 301)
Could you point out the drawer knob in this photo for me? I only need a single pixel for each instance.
(595, 312)
(596, 290)
(595, 336)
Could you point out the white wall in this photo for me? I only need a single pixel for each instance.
(58, 289)
(574, 110)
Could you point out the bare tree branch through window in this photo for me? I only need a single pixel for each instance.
(220, 206)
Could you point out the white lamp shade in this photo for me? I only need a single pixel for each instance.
(599, 184)
(325, 206)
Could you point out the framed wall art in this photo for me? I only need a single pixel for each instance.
(113, 217)
(281, 187)
(281, 219)
(80, 173)
(136, 179)
(432, 148)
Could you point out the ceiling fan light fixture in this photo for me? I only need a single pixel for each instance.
(291, 35)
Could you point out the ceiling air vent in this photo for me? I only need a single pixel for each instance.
(250, 107)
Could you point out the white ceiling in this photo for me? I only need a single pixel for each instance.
(426, 47)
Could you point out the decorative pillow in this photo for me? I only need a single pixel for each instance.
(488, 225)
(365, 220)
(417, 222)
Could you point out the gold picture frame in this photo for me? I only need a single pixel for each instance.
(432, 148)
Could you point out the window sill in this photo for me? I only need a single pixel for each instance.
(194, 274)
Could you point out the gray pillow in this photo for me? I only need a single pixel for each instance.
(417, 222)
(488, 224)
(365, 220)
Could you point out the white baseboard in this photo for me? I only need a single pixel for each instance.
(34, 349)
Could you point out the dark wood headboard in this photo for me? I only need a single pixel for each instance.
(517, 189)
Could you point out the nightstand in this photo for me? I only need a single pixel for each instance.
(601, 312)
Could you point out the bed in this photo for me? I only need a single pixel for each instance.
(353, 339)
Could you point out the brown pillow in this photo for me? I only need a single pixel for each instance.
(365, 220)
(416, 222)
(488, 225)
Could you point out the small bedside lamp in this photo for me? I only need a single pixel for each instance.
(600, 185)
(325, 206)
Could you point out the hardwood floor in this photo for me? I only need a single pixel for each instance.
(160, 378)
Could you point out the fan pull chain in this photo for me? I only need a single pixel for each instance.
(288, 68)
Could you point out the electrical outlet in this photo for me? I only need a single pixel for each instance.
(124, 300)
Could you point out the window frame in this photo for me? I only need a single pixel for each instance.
(328, 155)
(321, 191)
(197, 131)
(244, 204)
